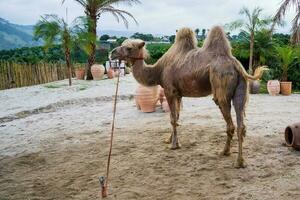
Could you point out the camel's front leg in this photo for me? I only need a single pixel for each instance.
(174, 115)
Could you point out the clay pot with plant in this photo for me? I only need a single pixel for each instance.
(287, 57)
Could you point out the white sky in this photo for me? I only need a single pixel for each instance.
(154, 16)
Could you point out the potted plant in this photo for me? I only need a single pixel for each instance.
(79, 71)
(286, 56)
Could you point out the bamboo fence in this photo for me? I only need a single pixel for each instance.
(14, 75)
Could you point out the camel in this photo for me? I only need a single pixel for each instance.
(188, 71)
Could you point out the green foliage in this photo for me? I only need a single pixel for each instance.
(121, 40)
(52, 86)
(104, 37)
(156, 51)
(287, 57)
(172, 38)
(145, 37)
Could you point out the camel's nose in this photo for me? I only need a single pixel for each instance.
(113, 54)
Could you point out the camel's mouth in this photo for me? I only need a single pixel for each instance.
(114, 55)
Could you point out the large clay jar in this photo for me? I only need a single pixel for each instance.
(110, 73)
(286, 88)
(273, 87)
(79, 74)
(97, 72)
(163, 100)
(146, 98)
(292, 136)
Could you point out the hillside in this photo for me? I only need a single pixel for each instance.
(15, 36)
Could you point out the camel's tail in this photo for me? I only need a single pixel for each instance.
(257, 74)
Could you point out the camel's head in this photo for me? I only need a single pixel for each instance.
(130, 50)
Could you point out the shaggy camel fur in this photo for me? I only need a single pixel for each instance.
(188, 71)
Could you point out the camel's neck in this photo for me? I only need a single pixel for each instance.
(146, 75)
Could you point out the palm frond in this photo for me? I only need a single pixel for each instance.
(118, 14)
(295, 35)
(234, 25)
(49, 29)
(281, 12)
(110, 2)
(83, 3)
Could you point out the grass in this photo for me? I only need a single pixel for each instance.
(83, 87)
(52, 86)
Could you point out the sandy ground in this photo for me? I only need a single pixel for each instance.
(54, 145)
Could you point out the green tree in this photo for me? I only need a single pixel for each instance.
(278, 19)
(104, 37)
(172, 38)
(197, 32)
(252, 23)
(287, 57)
(53, 29)
(145, 37)
(94, 9)
(121, 40)
(203, 34)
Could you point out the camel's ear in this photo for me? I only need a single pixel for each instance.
(141, 44)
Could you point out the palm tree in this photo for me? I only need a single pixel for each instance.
(197, 32)
(53, 29)
(94, 9)
(252, 23)
(287, 56)
(278, 18)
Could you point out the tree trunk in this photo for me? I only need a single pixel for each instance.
(285, 75)
(92, 56)
(68, 62)
(251, 53)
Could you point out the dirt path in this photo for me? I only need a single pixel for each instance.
(61, 154)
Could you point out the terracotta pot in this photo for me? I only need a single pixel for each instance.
(292, 136)
(110, 73)
(161, 94)
(80, 74)
(273, 87)
(97, 72)
(146, 98)
(163, 100)
(165, 106)
(286, 88)
(254, 87)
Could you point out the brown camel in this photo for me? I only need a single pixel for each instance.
(188, 71)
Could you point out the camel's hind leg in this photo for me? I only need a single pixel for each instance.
(225, 109)
(239, 102)
(174, 115)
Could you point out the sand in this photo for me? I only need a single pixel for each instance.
(54, 145)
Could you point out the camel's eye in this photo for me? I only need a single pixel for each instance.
(128, 48)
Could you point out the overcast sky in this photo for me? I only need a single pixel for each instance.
(154, 16)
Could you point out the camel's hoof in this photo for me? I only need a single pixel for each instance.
(176, 146)
(240, 163)
(167, 141)
(225, 153)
